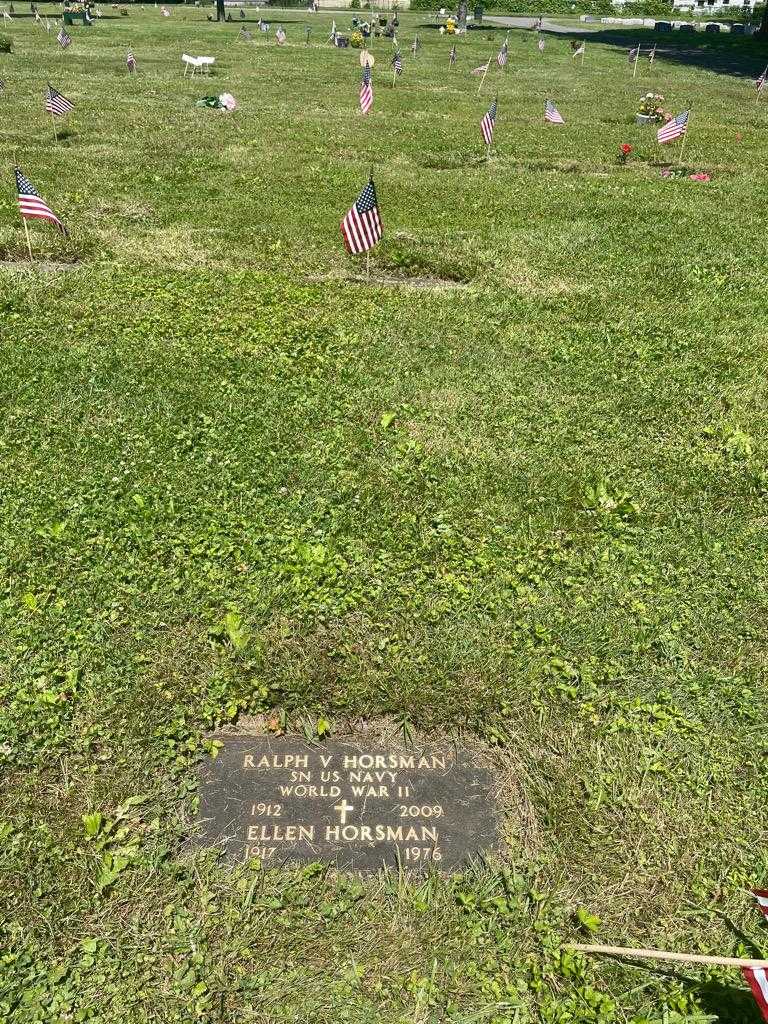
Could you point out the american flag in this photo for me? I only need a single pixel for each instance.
(757, 979)
(634, 54)
(130, 61)
(541, 46)
(2, 85)
(761, 895)
(552, 114)
(280, 35)
(415, 45)
(581, 50)
(673, 129)
(652, 55)
(488, 123)
(397, 63)
(452, 56)
(31, 206)
(361, 227)
(63, 39)
(56, 104)
(482, 69)
(761, 80)
(503, 55)
(366, 90)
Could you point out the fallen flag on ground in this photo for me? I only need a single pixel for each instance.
(56, 104)
(757, 979)
(761, 895)
(673, 129)
(488, 123)
(552, 114)
(366, 90)
(482, 69)
(130, 61)
(361, 227)
(63, 39)
(31, 206)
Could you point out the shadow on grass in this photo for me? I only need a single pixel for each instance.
(728, 1003)
(725, 55)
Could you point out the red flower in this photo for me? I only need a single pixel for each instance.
(626, 149)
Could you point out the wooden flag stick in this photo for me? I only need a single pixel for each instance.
(368, 265)
(394, 77)
(29, 242)
(480, 87)
(662, 954)
(55, 133)
(637, 58)
(583, 54)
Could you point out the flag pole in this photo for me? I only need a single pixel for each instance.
(55, 133)
(662, 954)
(480, 87)
(583, 52)
(29, 242)
(368, 265)
(637, 58)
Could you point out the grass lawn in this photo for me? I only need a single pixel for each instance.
(512, 489)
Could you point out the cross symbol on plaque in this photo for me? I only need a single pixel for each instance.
(342, 808)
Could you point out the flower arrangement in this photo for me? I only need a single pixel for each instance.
(356, 39)
(651, 106)
(685, 172)
(624, 150)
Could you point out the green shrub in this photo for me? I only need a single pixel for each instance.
(5, 44)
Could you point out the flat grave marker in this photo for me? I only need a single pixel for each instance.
(352, 805)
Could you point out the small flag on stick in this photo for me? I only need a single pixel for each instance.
(31, 206)
(63, 39)
(652, 56)
(673, 129)
(488, 124)
(581, 51)
(452, 56)
(760, 83)
(361, 227)
(56, 104)
(397, 63)
(541, 46)
(552, 114)
(280, 35)
(366, 90)
(130, 62)
(503, 54)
